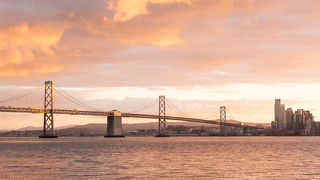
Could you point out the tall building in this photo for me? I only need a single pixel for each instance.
(282, 116)
(279, 114)
(308, 123)
(289, 118)
(299, 118)
(276, 113)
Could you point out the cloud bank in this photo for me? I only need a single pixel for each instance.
(196, 45)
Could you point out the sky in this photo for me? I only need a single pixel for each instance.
(200, 54)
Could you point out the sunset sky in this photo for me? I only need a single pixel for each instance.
(201, 54)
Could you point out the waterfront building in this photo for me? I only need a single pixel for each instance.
(276, 113)
(279, 114)
(282, 116)
(300, 119)
(289, 118)
(308, 123)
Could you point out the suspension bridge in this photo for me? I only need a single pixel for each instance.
(31, 102)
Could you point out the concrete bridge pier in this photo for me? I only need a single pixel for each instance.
(114, 125)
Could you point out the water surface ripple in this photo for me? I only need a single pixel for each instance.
(160, 158)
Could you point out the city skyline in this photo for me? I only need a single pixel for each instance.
(287, 121)
(202, 54)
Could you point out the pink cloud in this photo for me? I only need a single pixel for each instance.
(174, 43)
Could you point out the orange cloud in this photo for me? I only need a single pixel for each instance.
(160, 22)
(127, 9)
(23, 44)
(25, 72)
(161, 34)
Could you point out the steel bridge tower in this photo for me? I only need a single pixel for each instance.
(162, 117)
(48, 116)
(223, 120)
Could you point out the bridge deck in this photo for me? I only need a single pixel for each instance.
(102, 113)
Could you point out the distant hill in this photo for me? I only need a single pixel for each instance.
(83, 130)
(33, 128)
(100, 128)
(64, 127)
(29, 128)
(250, 123)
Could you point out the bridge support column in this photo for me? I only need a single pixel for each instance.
(162, 118)
(48, 116)
(223, 120)
(114, 125)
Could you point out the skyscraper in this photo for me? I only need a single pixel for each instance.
(279, 114)
(282, 116)
(289, 118)
(276, 113)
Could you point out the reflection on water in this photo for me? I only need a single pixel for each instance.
(156, 158)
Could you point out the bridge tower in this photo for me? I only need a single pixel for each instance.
(162, 117)
(223, 120)
(48, 116)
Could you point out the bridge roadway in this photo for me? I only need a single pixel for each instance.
(102, 113)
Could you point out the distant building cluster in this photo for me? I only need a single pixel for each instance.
(290, 122)
(181, 130)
